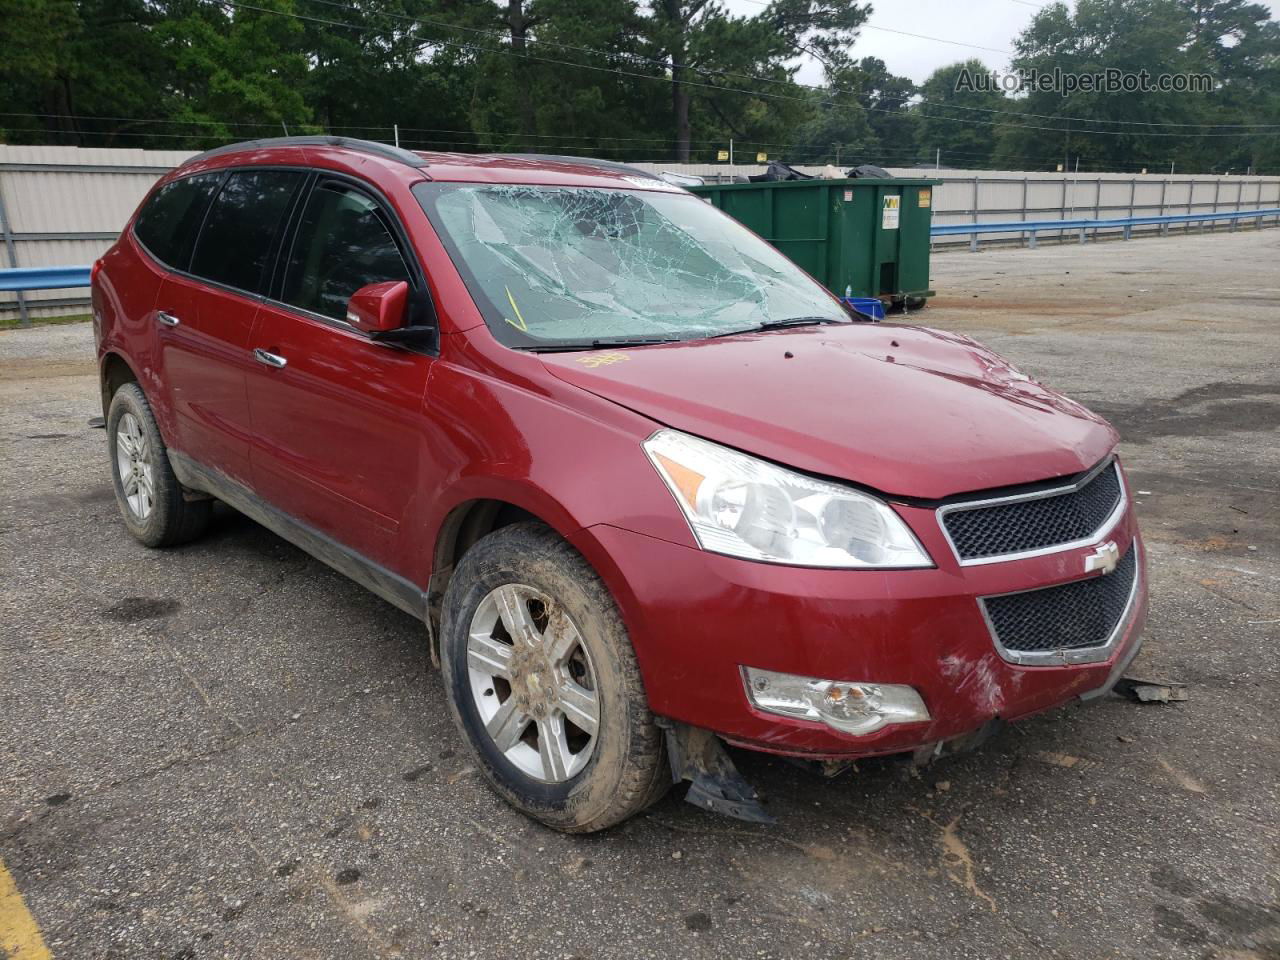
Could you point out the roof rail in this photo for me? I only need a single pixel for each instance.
(588, 162)
(365, 146)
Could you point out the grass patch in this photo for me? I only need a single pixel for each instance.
(14, 322)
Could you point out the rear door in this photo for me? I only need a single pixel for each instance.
(165, 230)
(206, 313)
(337, 417)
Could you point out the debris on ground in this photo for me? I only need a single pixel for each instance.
(1063, 760)
(1151, 691)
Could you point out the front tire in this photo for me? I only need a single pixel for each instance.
(543, 683)
(148, 494)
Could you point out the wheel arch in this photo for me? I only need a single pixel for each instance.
(114, 372)
(460, 529)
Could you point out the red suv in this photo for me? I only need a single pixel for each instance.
(650, 487)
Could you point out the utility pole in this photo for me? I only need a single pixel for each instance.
(937, 160)
(1171, 168)
(396, 128)
(731, 151)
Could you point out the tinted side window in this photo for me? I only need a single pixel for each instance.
(342, 244)
(168, 222)
(235, 244)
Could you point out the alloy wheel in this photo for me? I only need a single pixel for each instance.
(533, 682)
(133, 459)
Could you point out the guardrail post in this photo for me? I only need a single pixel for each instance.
(1031, 240)
(1064, 203)
(1083, 231)
(1097, 208)
(1128, 230)
(24, 316)
(973, 243)
(1024, 210)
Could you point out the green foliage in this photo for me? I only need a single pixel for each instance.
(1234, 42)
(632, 80)
(956, 121)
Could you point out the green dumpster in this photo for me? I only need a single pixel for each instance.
(860, 238)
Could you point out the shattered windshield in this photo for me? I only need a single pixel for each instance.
(563, 266)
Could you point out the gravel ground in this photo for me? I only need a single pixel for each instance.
(227, 750)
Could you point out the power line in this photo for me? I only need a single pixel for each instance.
(759, 79)
(900, 158)
(905, 33)
(759, 94)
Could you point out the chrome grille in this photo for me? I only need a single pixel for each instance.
(1034, 522)
(1070, 616)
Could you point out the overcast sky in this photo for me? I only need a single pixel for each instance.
(989, 25)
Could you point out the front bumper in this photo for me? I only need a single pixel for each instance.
(696, 618)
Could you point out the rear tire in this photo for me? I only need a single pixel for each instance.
(533, 649)
(149, 495)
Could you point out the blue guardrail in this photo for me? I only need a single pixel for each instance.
(43, 278)
(56, 278)
(1082, 226)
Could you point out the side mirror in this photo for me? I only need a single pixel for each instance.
(379, 307)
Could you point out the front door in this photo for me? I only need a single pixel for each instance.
(337, 418)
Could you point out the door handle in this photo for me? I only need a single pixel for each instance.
(270, 359)
(168, 319)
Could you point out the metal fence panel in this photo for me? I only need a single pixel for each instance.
(63, 206)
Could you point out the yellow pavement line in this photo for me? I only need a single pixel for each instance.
(19, 933)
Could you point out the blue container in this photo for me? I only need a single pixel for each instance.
(868, 305)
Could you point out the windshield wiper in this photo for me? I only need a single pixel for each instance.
(600, 344)
(780, 325)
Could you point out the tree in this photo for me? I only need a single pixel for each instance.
(887, 98)
(957, 120)
(231, 71)
(1233, 42)
(631, 80)
(163, 72)
(1238, 44)
(707, 48)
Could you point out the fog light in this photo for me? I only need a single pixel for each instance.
(847, 706)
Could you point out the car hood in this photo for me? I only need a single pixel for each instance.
(908, 411)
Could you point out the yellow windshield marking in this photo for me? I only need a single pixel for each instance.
(521, 325)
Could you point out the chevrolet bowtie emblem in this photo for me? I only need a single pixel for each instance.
(1104, 558)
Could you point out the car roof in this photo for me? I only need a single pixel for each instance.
(347, 152)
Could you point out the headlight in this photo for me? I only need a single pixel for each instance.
(744, 507)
